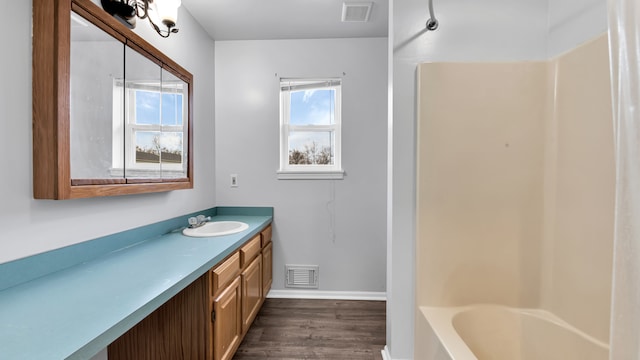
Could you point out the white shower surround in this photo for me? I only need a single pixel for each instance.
(407, 49)
(496, 332)
(515, 187)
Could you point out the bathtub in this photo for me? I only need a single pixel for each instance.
(482, 332)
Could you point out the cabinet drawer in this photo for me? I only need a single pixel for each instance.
(266, 236)
(250, 250)
(224, 273)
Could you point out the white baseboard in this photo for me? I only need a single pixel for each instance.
(385, 353)
(330, 295)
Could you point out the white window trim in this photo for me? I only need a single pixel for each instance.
(311, 175)
(310, 172)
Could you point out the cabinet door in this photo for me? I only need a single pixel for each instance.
(251, 292)
(267, 269)
(174, 331)
(227, 327)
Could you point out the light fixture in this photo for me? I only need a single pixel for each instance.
(157, 11)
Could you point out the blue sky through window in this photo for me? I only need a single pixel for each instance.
(148, 108)
(311, 107)
(148, 113)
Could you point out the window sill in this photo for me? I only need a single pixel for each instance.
(311, 175)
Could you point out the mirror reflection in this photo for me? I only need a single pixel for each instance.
(174, 139)
(128, 114)
(111, 113)
(96, 65)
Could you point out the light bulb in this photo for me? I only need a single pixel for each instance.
(168, 11)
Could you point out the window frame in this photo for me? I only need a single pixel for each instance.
(124, 152)
(302, 171)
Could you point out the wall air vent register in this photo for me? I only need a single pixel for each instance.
(301, 276)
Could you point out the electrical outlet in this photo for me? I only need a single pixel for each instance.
(234, 180)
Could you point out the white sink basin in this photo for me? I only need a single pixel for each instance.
(216, 228)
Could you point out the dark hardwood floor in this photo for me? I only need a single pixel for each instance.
(287, 329)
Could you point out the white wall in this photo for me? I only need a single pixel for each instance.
(495, 30)
(33, 226)
(573, 22)
(337, 224)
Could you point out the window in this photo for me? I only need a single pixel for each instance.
(153, 127)
(310, 129)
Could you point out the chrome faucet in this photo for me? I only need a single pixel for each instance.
(198, 221)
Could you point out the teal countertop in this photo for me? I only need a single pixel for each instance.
(79, 309)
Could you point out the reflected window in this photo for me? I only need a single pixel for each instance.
(153, 127)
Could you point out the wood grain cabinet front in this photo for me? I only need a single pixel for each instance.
(209, 318)
(251, 292)
(227, 324)
(176, 330)
(265, 235)
(250, 251)
(267, 269)
(224, 273)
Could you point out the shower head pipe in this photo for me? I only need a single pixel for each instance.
(432, 23)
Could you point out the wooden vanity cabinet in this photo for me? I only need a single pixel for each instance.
(251, 292)
(210, 317)
(224, 273)
(233, 301)
(267, 261)
(226, 307)
(163, 335)
(227, 321)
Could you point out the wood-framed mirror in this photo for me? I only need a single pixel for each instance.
(112, 115)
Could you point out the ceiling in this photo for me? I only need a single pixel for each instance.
(284, 19)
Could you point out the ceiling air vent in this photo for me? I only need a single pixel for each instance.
(356, 11)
